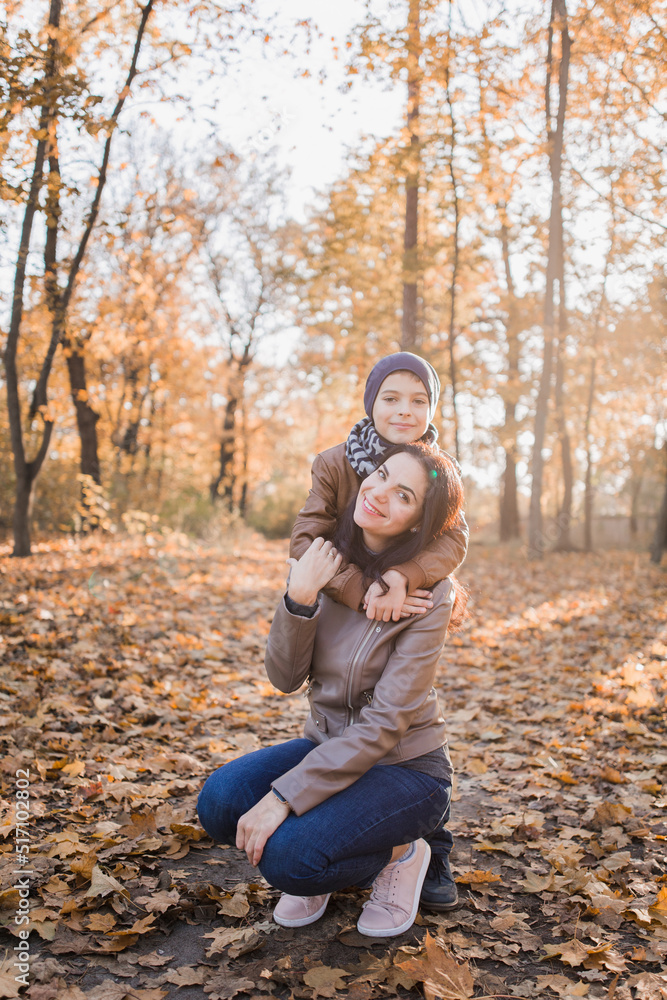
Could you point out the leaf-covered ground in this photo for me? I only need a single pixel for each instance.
(132, 668)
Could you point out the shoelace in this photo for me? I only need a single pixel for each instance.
(382, 884)
(436, 866)
(438, 871)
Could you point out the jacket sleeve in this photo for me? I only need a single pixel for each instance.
(289, 648)
(439, 559)
(405, 685)
(318, 516)
(317, 519)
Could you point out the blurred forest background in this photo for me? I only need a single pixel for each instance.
(179, 341)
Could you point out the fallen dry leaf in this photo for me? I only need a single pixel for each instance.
(185, 975)
(102, 884)
(159, 902)
(237, 940)
(225, 986)
(325, 981)
(477, 877)
(8, 984)
(563, 987)
(442, 976)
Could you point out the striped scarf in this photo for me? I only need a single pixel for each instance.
(364, 447)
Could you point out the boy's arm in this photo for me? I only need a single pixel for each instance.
(439, 559)
(317, 519)
(411, 579)
(318, 516)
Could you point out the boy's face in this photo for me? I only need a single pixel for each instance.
(400, 410)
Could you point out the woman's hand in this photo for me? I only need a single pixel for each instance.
(318, 564)
(256, 826)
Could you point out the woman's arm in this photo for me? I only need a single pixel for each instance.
(290, 644)
(405, 685)
(289, 648)
(287, 659)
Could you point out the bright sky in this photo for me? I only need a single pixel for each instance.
(263, 101)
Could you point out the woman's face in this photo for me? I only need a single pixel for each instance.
(391, 500)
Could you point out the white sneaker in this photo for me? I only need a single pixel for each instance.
(394, 901)
(297, 911)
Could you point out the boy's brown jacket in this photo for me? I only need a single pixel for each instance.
(334, 484)
(371, 691)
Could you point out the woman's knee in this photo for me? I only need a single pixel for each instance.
(290, 864)
(218, 808)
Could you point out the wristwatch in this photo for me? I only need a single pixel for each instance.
(280, 797)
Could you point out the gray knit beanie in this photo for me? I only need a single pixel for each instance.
(403, 361)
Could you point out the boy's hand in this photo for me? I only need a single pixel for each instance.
(386, 607)
(395, 603)
(318, 564)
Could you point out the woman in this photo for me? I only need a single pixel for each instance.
(350, 803)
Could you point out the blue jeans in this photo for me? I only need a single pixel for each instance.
(345, 840)
(441, 840)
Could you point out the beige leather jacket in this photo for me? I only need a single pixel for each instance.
(334, 484)
(371, 690)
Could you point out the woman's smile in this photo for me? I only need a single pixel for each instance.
(370, 508)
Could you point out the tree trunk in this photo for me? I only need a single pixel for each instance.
(22, 511)
(148, 446)
(455, 257)
(509, 510)
(635, 493)
(26, 471)
(660, 537)
(86, 417)
(86, 421)
(599, 317)
(509, 524)
(245, 452)
(225, 476)
(564, 519)
(409, 336)
(558, 19)
(509, 506)
(588, 482)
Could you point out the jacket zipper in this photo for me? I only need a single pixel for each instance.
(349, 709)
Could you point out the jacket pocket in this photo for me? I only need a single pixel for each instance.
(319, 720)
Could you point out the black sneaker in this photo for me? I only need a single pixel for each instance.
(439, 888)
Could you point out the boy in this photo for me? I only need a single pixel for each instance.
(400, 399)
